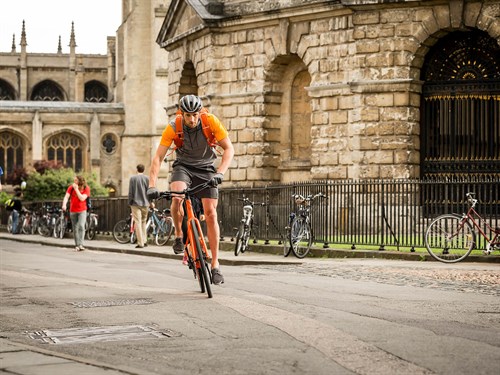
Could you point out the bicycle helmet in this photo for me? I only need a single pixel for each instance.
(190, 104)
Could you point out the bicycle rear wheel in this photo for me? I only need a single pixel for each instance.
(121, 231)
(239, 239)
(164, 231)
(300, 237)
(9, 224)
(448, 240)
(201, 267)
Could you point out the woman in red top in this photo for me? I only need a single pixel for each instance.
(77, 193)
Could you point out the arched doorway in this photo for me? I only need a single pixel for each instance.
(460, 123)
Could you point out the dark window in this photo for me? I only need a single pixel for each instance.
(67, 149)
(11, 153)
(96, 92)
(6, 91)
(47, 91)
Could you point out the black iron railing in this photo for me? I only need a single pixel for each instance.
(363, 212)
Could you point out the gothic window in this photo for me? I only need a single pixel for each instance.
(68, 149)
(96, 92)
(109, 143)
(6, 91)
(47, 91)
(11, 153)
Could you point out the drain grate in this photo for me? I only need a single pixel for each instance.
(95, 334)
(122, 302)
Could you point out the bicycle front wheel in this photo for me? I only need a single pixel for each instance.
(92, 229)
(239, 239)
(201, 266)
(448, 239)
(300, 237)
(287, 248)
(164, 232)
(121, 231)
(59, 228)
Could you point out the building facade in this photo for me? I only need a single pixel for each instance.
(309, 90)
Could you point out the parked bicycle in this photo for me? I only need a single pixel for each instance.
(160, 225)
(47, 221)
(195, 246)
(62, 224)
(299, 235)
(245, 227)
(450, 238)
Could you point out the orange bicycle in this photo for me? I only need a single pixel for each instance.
(195, 246)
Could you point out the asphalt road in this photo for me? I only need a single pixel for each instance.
(96, 312)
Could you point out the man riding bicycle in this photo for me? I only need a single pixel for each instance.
(194, 164)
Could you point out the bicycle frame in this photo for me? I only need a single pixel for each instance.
(194, 243)
(471, 217)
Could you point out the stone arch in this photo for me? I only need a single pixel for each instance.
(47, 90)
(188, 83)
(67, 147)
(7, 91)
(288, 116)
(96, 92)
(12, 152)
(460, 106)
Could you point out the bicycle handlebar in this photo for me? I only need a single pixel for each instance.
(188, 191)
(252, 203)
(301, 199)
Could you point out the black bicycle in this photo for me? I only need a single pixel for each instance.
(299, 235)
(245, 226)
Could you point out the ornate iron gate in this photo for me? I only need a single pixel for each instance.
(460, 126)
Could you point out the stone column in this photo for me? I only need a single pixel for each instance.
(36, 141)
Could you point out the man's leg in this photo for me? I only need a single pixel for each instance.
(177, 215)
(144, 221)
(137, 215)
(213, 232)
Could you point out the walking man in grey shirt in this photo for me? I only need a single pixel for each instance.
(138, 202)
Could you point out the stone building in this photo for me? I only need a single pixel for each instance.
(92, 112)
(308, 89)
(347, 89)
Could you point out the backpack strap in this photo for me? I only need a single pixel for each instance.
(179, 133)
(205, 125)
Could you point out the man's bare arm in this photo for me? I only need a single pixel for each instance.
(227, 156)
(161, 151)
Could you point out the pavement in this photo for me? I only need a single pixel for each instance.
(26, 359)
(258, 254)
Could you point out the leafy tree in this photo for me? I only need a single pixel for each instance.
(53, 183)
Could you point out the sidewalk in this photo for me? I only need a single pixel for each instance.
(258, 253)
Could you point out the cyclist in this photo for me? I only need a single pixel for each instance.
(138, 202)
(194, 164)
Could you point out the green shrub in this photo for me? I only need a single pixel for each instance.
(53, 183)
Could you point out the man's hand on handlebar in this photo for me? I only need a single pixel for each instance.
(217, 179)
(152, 193)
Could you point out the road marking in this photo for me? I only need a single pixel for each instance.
(342, 348)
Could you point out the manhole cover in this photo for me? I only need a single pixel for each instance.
(121, 302)
(93, 334)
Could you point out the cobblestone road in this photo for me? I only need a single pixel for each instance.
(456, 278)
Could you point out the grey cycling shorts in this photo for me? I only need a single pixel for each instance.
(194, 176)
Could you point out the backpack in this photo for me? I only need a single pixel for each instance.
(9, 204)
(205, 126)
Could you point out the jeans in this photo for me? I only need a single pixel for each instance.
(15, 222)
(78, 222)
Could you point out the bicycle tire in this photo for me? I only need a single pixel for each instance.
(121, 231)
(202, 267)
(300, 237)
(287, 248)
(164, 232)
(92, 229)
(9, 224)
(26, 227)
(246, 236)
(59, 228)
(239, 239)
(43, 227)
(447, 241)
